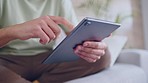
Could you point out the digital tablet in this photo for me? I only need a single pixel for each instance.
(88, 29)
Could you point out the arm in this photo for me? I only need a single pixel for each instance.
(46, 28)
(91, 51)
(5, 36)
(136, 57)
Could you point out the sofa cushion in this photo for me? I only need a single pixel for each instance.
(119, 73)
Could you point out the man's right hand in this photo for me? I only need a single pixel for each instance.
(46, 28)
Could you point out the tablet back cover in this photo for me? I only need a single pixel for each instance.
(87, 29)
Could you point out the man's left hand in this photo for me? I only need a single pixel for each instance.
(91, 51)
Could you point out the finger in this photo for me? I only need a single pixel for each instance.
(43, 37)
(61, 20)
(48, 31)
(86, 58)
(95, 45)
(92, 56)
(93, 51)
(54, 27)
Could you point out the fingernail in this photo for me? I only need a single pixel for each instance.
(99, 57)
(94, 60)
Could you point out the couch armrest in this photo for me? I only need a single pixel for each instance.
(136, 57)
(118, 73)
(133, 56)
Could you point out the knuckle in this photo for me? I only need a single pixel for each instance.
(36, 29)
(62, 18)
(45, 17)
(41, 22)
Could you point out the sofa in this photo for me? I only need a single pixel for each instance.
(131, 66)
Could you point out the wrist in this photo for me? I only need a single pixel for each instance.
(6, 35)
(9, 33)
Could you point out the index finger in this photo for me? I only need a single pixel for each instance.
(95, 45)
(61, 20)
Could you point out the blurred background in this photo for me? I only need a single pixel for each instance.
(132, 15)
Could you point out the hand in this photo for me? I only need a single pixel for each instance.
(91, 51)
(46, 28)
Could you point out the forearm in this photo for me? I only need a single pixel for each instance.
(6, 35)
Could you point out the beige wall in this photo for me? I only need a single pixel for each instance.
(137, 38)
(144, 9)
(131, 27)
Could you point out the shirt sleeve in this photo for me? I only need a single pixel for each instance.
(67, 11)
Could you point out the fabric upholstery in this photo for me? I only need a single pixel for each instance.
(119, 73)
